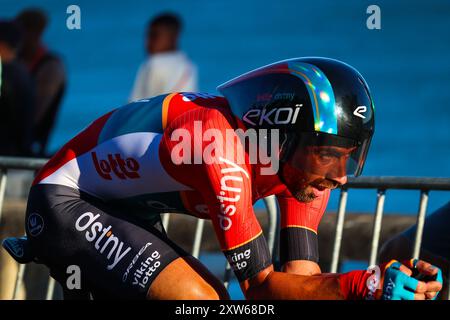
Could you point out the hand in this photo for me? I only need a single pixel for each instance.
(431, 276)
(412, 280)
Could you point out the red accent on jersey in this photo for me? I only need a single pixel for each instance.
(354, 284)
(81, 143)
(301, 214)
(182, 103)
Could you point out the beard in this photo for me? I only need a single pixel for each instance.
(300, 184)
(303, 194)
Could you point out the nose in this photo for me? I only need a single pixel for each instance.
(341, 180)
(339, 173)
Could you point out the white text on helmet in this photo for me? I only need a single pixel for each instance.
(283, 115)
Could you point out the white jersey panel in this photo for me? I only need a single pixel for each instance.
(122, 167)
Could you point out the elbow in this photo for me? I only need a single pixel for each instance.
(302, 267)
(258, 288)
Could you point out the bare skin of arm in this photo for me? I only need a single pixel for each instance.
(270, 284)
(301, 267)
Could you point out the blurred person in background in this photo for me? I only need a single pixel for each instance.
(167, 69)
(16, 97)
(47, 71)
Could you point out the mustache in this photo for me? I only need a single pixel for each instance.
(325, 184)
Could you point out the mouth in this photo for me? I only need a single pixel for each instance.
(323, 187)
(320, 188)
(318, 191)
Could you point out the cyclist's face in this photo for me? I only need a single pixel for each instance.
(322, 167)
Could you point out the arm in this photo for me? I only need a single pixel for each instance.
(225, 185)
(299, 252)
(393, 282)
(270, 284)
(302, 267)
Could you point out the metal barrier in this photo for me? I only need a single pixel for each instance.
(7, 163)
(380, 183)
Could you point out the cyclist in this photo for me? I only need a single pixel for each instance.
(97, 203)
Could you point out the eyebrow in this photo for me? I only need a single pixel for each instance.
(332, 150)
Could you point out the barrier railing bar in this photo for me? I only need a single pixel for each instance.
(377, 226)
(165, 221)
(420, 223)
(448, 285)
(3, 180)
(50, 288)
(272, 211)
(227, 275)
(198, 237)
(339, 230)
(19, 281)
(413, 183)
(22, 163)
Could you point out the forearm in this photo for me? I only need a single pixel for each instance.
(280, 285)
(269, 284)
(301, 267)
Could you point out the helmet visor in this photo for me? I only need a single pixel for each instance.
(328, 155)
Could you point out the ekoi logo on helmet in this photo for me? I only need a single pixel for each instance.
(283, 115)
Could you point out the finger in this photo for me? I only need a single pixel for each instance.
(419, 296)
(430, 295)
(405, 270)
(412, 284)
(421, 286)
(426, 268)
(433, 286)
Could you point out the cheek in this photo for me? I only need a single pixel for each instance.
(294, 176)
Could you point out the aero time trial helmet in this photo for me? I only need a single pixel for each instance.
(312, 101)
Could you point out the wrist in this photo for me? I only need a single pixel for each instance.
(355, 285)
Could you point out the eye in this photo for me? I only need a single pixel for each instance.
(326, 157)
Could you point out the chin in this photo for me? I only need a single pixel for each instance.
(303, 194)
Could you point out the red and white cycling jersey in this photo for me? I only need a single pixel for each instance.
(130, 155)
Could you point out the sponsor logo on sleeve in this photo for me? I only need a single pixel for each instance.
(228, 203)
(238, 260)
(35, 224)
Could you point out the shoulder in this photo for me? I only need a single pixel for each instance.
(183, 107)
